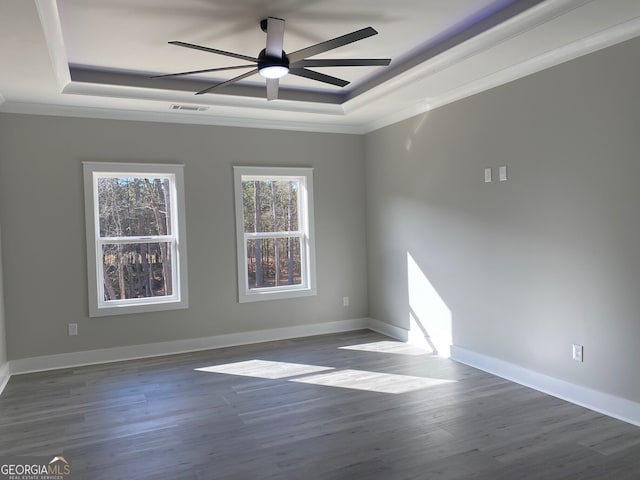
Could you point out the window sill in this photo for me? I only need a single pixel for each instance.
(111, 310)
(276, 295)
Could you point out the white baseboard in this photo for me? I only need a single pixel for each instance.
(5, 374)
(116, 354)
(397, 333)
(607, 404)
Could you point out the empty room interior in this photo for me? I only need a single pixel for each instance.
(320, 240)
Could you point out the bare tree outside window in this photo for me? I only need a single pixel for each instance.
(274, 211)
(137, 208)
(135, 237)
(271, 206)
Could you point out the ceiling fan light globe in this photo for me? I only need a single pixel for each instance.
(274, 71)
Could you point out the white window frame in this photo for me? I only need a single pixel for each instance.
(306, 233)
(98, 306)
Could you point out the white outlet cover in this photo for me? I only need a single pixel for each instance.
(577, 352)
(503, 173)
(487, 175)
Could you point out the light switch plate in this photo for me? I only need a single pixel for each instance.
(487, 175)
(503, 173)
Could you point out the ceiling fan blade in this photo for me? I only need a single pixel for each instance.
(213, 50)
(272, 88)
(342, 62)
(320, 77)
(331, 44)
(275, 37)
(205, 71)
(228, 82)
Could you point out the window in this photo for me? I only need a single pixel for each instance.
(136, 245)
(274, 225)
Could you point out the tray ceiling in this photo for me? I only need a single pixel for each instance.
(97, 57)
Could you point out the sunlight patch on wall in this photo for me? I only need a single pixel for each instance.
(430, 319)
(408, 145)
(264, 369)
(372, 381)
(396, 348)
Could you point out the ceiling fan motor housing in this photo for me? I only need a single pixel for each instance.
(272, 67)
(265, 60)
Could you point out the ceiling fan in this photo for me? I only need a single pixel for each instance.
(273, 63)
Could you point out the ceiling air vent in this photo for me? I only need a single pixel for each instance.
(188, 108)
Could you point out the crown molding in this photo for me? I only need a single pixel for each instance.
(50, 21)
(569, 52)
(604, 39)
(588, 44)
(188, 118)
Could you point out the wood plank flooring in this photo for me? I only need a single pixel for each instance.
(346, 406)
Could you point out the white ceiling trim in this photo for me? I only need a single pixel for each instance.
(246, 105)
(569, 52)
(149, 114)
(590, 44)
(50, 20)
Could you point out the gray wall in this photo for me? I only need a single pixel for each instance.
(529, 266)
(42, 215)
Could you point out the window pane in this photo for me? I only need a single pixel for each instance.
(274, 262)
(137, 270)
(270, 206)
(137, 206)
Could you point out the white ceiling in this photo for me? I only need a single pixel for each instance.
(95, 57)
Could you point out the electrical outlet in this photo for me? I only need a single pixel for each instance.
(73, 329)
(577, 352)
(487, 175)
(345, 301)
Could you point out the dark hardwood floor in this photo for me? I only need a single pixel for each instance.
(346, 406)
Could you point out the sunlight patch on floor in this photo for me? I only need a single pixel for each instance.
(264, 369)
(372, 381)
(386, 346)
(347, 378)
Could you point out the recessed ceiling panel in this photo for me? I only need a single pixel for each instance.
(133, 35)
